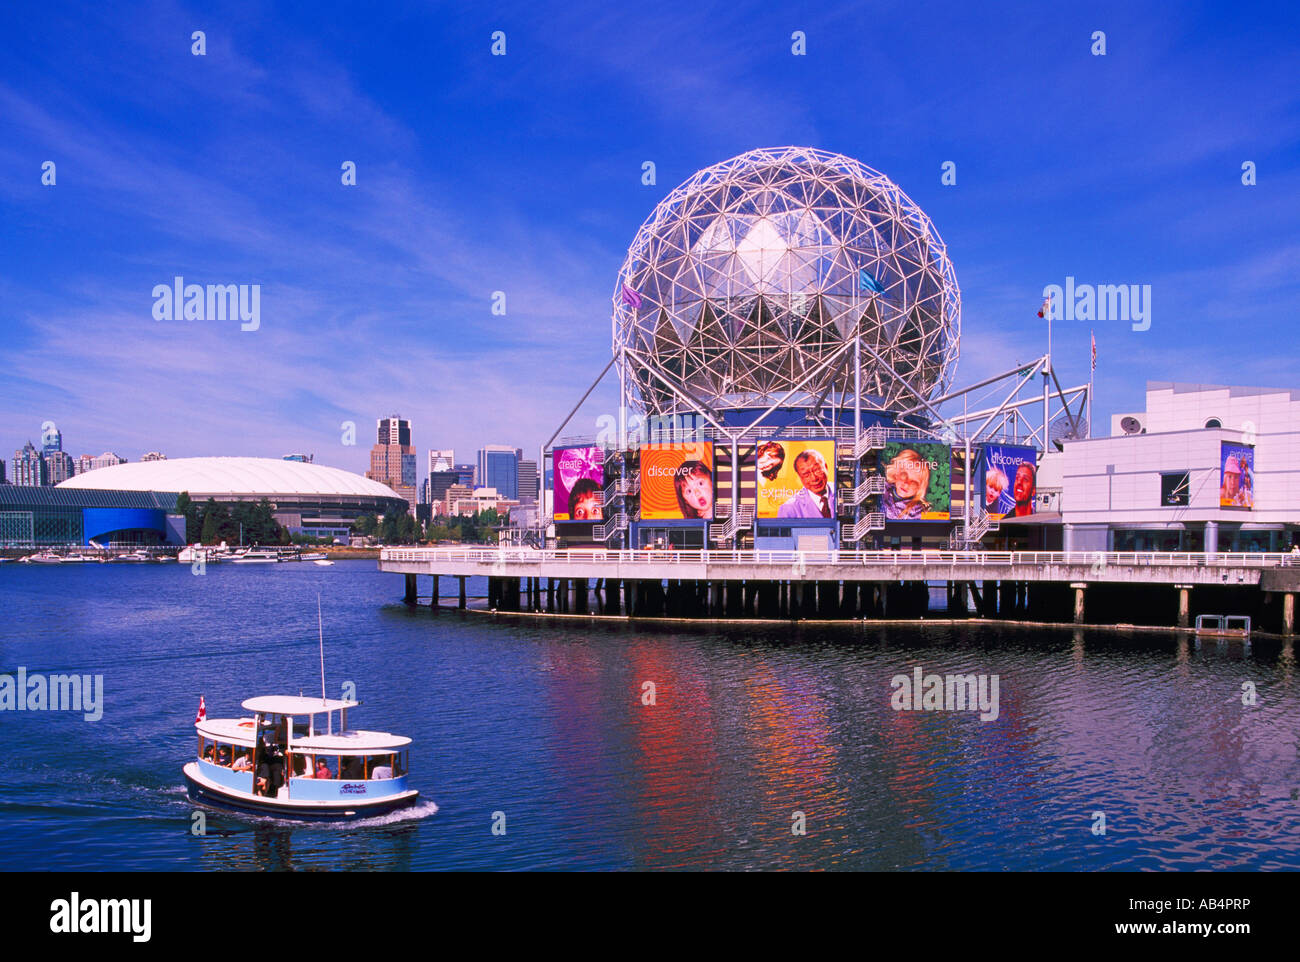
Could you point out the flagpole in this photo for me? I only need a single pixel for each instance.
(1092, 372)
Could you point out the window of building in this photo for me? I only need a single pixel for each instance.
(1175, 489)
(1214, 423)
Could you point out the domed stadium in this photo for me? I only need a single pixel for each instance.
(305, 498)
(758, 275)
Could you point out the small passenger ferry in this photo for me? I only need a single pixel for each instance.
(295, 757)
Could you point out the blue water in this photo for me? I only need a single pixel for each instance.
(544, 723)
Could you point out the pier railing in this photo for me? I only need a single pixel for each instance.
(992, 560)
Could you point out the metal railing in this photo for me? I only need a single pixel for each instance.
(727, 531)
(875, 484)
(1094, 560)
(603, 532)
(857, 530)
(621, 488)
(964, 539)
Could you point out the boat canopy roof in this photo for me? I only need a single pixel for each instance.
(350, 743)
(236, 731)
(296, 705)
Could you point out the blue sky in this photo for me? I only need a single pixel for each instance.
(522, 173)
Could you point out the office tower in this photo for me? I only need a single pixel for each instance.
(83, 464)
(465, 474)
(106, 460)
(29, 467)
(394, 430)
(392, 459)
(527, 481)
(51, 438)
(58, 467)
(441, 459)
(498, 467)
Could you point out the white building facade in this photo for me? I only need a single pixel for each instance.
(1160, 481)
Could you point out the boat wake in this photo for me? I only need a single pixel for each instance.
(415, 812)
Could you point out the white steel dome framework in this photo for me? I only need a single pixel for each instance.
(752, 282)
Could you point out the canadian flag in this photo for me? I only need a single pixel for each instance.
(203, 711)
(1046, 309)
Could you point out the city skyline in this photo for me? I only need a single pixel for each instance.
(380, 296)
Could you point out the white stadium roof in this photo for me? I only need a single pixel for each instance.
(230, 477)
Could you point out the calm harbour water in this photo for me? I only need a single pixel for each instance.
(545, 723)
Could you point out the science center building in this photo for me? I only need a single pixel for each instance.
(786, 329)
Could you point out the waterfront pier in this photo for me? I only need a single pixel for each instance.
(1166, 589)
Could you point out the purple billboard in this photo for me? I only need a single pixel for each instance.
(579, 477)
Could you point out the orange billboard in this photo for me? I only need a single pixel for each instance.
(677, 481)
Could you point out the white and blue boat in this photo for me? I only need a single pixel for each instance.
(290, 759)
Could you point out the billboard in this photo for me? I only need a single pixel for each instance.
(579, 478)
(796, 479)
(1008, 478)
(1236, 476)
(677, 481)
(917, 481)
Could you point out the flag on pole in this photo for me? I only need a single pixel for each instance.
(1046, 309)
(1094, 351)
(631, 298)
(867, 282)
(203, 711)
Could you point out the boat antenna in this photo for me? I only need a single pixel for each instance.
(320, 625)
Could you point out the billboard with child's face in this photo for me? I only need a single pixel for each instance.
(918, 478)
(1236, 476)
(677, 481)
(1008, 480)
(579, 477)
(796, 479)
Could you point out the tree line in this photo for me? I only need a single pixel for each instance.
(212, 522)
(395, 528)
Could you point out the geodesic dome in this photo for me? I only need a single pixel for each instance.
(757, 269)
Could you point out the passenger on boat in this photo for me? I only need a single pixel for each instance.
(223, 756)
(323, 769)
(301, 767)
(211, 754)
(351, 768)
(270, 771)
(242, 763)
(381, 771)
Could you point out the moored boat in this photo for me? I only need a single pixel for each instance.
(258, 556)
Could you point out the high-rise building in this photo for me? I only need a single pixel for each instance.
(527, 481)
(392, 459)
(394, 430)
(83, 464)
(441, 459)
(498, 467)
(3, 479)
(465, 474)
(29, 467)
(51, 439)
(58, 467)
(106, 460)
